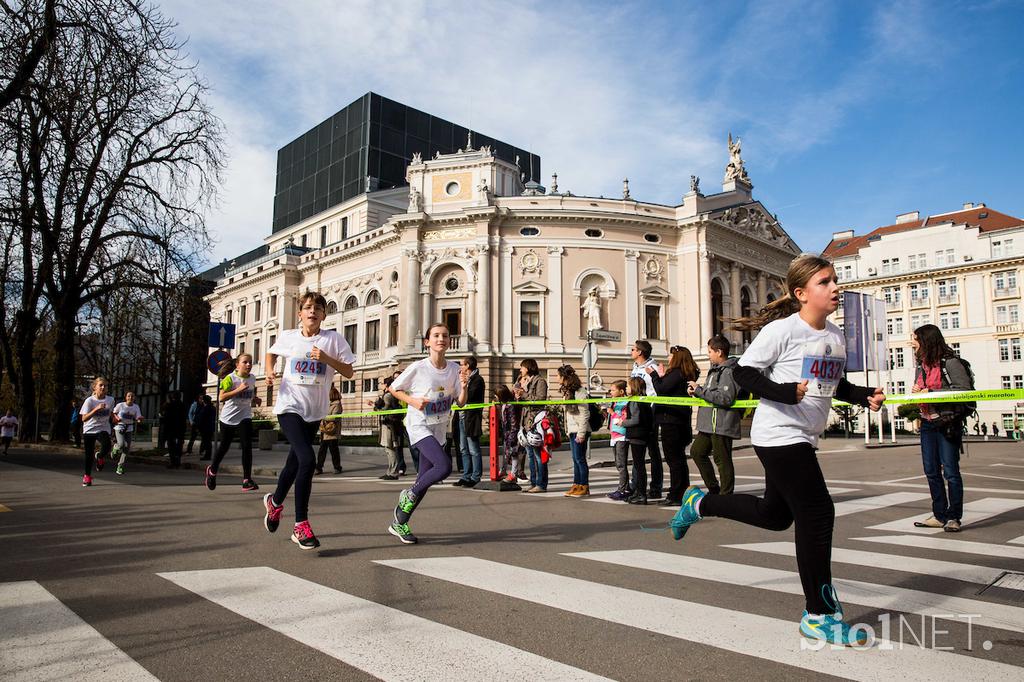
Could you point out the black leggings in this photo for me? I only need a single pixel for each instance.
(674, 439)
(227, 434)
(298, 469)
(795, 493)
(638, 451)
(90, 448)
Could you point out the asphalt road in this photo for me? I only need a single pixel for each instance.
(181, 583)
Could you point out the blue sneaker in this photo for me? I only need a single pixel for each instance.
(687, 514)
(831, 630)
(828, 593)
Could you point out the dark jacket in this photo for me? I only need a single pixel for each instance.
(721, 389)
(206, 420)
(672, 384)
(473, 419)
(639, 421)
(174, 418)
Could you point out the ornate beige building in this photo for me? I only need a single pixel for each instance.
(511, 268)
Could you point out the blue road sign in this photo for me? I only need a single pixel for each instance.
(216, 359)
(222, 335)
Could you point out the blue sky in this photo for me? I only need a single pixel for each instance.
(850, 112)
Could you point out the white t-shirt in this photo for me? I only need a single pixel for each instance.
(235, 409)
(100, 422)
(128, 416)
(8, 426)
(791, 351)
(640, 371)
(441, 388)
(306, 384)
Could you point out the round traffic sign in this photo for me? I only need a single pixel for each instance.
(216, 360)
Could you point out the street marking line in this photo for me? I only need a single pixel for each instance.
(770, 639)
(1017, 541)
(974, 511)
(356, 631)
(923, 486)
(908, 478)
(884, 597)
(981, 575)
(945, 545)
(1015, 466)
(43, 639)
(998, 478)
(864, 504)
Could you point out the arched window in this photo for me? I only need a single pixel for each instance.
(745, 311)
(716, 307)
(351, 303)
(373, 298)
(770, 298)
(332, 307)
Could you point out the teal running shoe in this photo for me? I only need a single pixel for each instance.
(407, 500)
(687, 514)
(828, 593)
(831, 630)
(402, 532)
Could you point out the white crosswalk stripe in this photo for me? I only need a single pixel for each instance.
(42, 639)
(353, 630)
(874, 595)
(982, 575)
(863, 504)
(945, 544)
(974, 511)
(770, 639)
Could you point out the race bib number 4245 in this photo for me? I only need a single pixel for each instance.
(307, 372)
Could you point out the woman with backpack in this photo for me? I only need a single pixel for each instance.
(939, 369)
(676, 421)
(577, 425)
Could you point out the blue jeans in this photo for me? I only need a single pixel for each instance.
(941, 458)
(472, 466)
(538, 469)
(580, 468)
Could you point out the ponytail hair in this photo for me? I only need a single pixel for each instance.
(801, 269)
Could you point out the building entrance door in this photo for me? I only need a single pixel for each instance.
(452, 318)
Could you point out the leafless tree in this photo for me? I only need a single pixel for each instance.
(28, 29)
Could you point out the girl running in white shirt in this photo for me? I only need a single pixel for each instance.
(803, 356)
(8, 430)
(237, 393)
(429, 387)
(126, 416)
(95, 413)
(312, 356)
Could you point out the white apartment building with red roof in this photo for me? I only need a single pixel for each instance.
(960, 271)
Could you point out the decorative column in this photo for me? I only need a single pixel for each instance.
(409, 312)
(632, 297)
(734, 289)
(762, 293)
(507, 314)
(706, 325)
(483, 299)
(555, 342)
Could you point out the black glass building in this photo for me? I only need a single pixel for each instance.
(373, 137)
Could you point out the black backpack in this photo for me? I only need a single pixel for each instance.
(595, 418)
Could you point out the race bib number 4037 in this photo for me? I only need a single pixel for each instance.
(823, 366)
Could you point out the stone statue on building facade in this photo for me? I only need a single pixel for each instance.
(592, 309)
(415, 200)
(735, 169)
(694, 184)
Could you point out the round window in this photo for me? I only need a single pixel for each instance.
(394, 275)
(653, 238)
(452, 189)
(594, 233)
(451, 285)
(529, 231)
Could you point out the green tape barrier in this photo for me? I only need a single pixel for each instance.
(930, 397)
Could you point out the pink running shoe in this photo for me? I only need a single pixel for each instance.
(211, 479)
(303, 536)
(87, 480)
(273, 517)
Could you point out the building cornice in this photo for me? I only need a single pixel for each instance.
(934, 273)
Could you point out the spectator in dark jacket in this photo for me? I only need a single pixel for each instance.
(639, 425)
(207, 421)
(675, 421)
(718, 426)
(471, 427)
(530, 387)
(174, 426)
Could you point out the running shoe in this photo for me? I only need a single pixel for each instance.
(99, 463)
(407, 500)
(402, 532)
(211, 479)
(303, 536)
(87, 480)
(687, 514)
(273, 517)
(250, 485)
(120, 470)
(832, 630)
